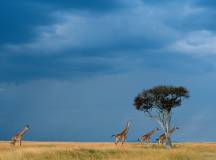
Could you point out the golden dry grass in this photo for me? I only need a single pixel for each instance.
(106, 151)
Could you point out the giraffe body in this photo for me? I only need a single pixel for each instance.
(162, 137)
(121, 137)
(19, 136)
(147, 137)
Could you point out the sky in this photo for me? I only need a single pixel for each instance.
(72, 68)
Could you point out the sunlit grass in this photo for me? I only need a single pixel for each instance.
(106, 151)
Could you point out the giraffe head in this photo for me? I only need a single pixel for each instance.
(27, 127)
(176, 128)
(129, 123)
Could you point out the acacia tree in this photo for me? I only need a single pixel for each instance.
(158, 102)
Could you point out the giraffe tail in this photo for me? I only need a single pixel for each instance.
(113, 135)
(12, 142)
(157, 140)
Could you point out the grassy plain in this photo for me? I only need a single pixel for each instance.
(106, 151)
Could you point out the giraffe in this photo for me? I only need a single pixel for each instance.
(123, 135)
(147, 137)
(18, 136)
(162, 137)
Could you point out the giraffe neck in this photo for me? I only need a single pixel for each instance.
(23, 131)
(152, 132)
(172, 130)
(125, 130)
(162, 135)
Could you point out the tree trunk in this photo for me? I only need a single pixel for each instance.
(164, 120)
(165, 125)
(168, 142)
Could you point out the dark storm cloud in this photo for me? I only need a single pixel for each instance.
(206, 3)
(21, 68)
(20, 18)
(97, 5)
(51, 40)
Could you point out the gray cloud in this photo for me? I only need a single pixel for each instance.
(20, 18)
(134, 28)
(201, 43)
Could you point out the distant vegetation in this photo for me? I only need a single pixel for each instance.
(106, 151)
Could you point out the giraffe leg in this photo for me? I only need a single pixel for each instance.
(145, 141)
(150, 141)
(124, 140)
(13, 142)
(116, 141)
(121, 140)
(20, 142)
(142, 141)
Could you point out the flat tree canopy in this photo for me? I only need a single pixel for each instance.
(158, 102)
(161, 97)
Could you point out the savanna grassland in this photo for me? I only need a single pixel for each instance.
(106, 151)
